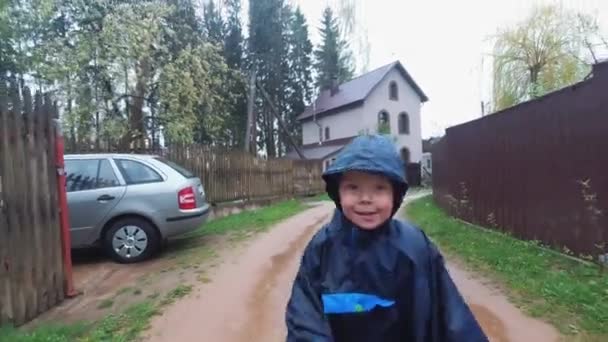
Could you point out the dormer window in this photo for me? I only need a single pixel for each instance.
(393, 91)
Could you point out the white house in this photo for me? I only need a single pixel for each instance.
(386, 99)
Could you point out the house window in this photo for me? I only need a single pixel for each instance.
(405, 155)
(404, 123)
(393, 91)
(327, 133)
(384, 123)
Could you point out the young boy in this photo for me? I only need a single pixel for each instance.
(368, 277)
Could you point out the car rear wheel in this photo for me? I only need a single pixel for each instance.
(131, 240)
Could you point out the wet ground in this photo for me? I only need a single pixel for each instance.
(501, 320)
(107, 287)
(245, 300)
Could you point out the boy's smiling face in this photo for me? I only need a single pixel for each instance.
(366, 199)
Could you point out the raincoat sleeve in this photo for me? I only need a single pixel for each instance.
(453, 320)
(305, 319)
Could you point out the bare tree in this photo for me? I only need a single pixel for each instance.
(354, 31)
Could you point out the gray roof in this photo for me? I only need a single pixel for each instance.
(357, 90)
(320, 152)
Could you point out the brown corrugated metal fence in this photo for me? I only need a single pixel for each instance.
(538, 170)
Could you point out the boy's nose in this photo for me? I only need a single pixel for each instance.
(366, 197)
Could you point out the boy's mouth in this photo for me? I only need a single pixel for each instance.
(365, 213)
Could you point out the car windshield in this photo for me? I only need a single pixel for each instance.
(184, 172)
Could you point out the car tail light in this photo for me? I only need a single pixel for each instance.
(186, 198)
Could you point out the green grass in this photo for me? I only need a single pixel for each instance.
(571, 295)
(189, 250)
(179, 292)
(251, 220)
(123, 327)
(49, 333)
(119, 328)
(128, 325)
(321, 197)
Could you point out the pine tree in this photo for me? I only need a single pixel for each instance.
(285, 84)
(267, 41)
(8, 60)
(300, 76)
(333, 59)
(233, 53)
(233, 42)
(184, 25)
(215, 29)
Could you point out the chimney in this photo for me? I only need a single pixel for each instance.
(335, 87)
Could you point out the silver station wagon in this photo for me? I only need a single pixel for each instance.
(128, 204)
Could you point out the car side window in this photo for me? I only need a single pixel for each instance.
(89, 174)
(81, 174)
(137, 173)
(106, 178)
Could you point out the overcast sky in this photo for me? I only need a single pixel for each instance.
(441, 44)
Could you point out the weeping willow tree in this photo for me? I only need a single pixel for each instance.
(550, 49)
(353, 30)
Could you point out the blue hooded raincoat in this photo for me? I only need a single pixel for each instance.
(385, 285)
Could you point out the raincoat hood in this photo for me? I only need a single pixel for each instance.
(368, 153)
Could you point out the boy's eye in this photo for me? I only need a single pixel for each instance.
(381, 187)
(351, 186)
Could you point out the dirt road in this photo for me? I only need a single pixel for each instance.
(501, 320)
(245, 301)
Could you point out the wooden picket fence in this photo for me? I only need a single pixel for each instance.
(235, 175)
(31, 268)
(232, 175)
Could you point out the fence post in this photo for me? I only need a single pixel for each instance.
(66, 239)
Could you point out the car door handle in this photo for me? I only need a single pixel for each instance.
(105, 198)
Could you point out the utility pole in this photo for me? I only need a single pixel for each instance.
(250, 131)
(282, 126)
